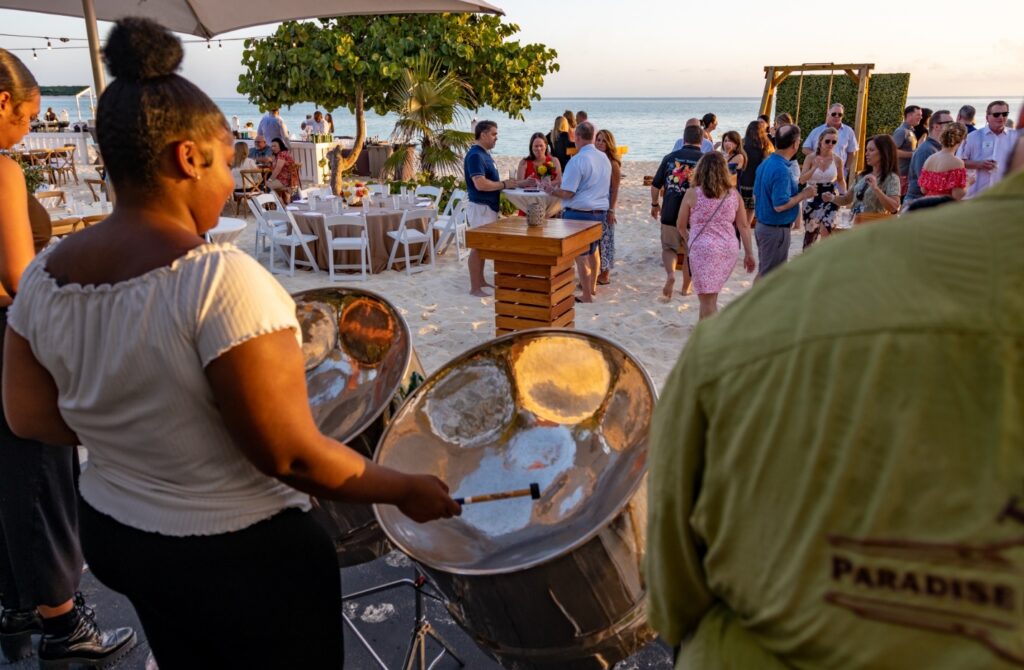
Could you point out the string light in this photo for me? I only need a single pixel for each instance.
(48, 44)
(220, 45)
(207, 45)
(34, 56)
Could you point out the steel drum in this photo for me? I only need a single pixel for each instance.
(552, 583)
(360, 366)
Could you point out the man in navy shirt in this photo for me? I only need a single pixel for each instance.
(483, 186)
(776, 198)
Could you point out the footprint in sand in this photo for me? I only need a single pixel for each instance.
(397, 559)
(378, 613)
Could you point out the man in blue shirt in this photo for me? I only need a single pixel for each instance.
(776, 198)
(483, 188)
(260, 152)
(586, 187)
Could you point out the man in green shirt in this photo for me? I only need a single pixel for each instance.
(837, 460)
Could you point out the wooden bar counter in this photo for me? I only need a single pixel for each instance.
(534, 269)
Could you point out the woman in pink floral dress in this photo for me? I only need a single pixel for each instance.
(713, 211)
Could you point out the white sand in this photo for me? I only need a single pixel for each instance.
(445, 320)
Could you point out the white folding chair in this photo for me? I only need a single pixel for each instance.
(292, 240)
(432, 192)
(267, 220)
(359, 242)
(441, 222)
(405, 236)
(453, 227)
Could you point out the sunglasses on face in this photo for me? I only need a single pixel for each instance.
(998, 115)
(944, 123)
(834, 114)
(829, 142)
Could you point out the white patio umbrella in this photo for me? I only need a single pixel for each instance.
(207, 18)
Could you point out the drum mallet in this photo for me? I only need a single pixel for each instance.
(533, 492)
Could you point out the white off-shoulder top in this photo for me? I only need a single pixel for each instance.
(128, 360)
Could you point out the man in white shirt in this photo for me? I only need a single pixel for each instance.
(706, 145)
(847, 146)
(986, 149)
(317, 124)
(272, 127)
(585, 188)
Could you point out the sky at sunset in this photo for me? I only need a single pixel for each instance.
(663, 48)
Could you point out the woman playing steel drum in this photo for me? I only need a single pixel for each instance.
(176, 364)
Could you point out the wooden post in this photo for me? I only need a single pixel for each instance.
(768, 97)
(863, 75)
(534, 269)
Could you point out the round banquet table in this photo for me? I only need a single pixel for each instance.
(226, 230)
(522, 199)
(379, 222)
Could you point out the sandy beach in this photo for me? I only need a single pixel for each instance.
(445, 320)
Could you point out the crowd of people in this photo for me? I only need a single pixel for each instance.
(574, 162)
(774, 193)
(879, 380)
(925, 162)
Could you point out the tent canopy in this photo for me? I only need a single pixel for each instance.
(63, 91)
(207, 18)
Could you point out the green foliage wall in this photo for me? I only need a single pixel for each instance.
(887, 96)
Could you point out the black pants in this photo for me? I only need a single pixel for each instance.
(267, 596)
(40, 558)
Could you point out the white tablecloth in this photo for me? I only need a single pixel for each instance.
(79, 210)
(226, 230)
(522, 199)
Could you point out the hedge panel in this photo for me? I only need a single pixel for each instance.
(887, 96)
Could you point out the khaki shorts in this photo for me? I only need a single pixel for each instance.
(671, 240)
(479, 215)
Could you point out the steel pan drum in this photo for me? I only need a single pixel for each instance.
(360, 365)
(552, 583)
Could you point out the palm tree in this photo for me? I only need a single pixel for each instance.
(427, 103)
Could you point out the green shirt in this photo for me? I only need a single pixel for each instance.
(837, 459)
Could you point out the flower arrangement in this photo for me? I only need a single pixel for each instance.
(545, 169)
(354, 192)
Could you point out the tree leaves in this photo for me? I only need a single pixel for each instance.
(326, 61)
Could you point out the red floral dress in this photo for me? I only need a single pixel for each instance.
(942, 183)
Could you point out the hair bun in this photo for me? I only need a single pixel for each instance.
(138, 49)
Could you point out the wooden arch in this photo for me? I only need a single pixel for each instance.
(859, 73)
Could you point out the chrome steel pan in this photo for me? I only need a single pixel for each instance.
(360, 365)
(552, 583)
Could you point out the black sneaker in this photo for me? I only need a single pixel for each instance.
(16, 630)
(85, 644)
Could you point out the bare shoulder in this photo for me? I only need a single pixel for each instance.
(9, 167)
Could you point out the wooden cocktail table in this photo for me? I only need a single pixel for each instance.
(533, 269)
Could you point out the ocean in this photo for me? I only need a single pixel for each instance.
(648, 126)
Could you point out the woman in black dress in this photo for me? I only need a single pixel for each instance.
(757, 146)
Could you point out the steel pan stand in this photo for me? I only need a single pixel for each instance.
(422, 629)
